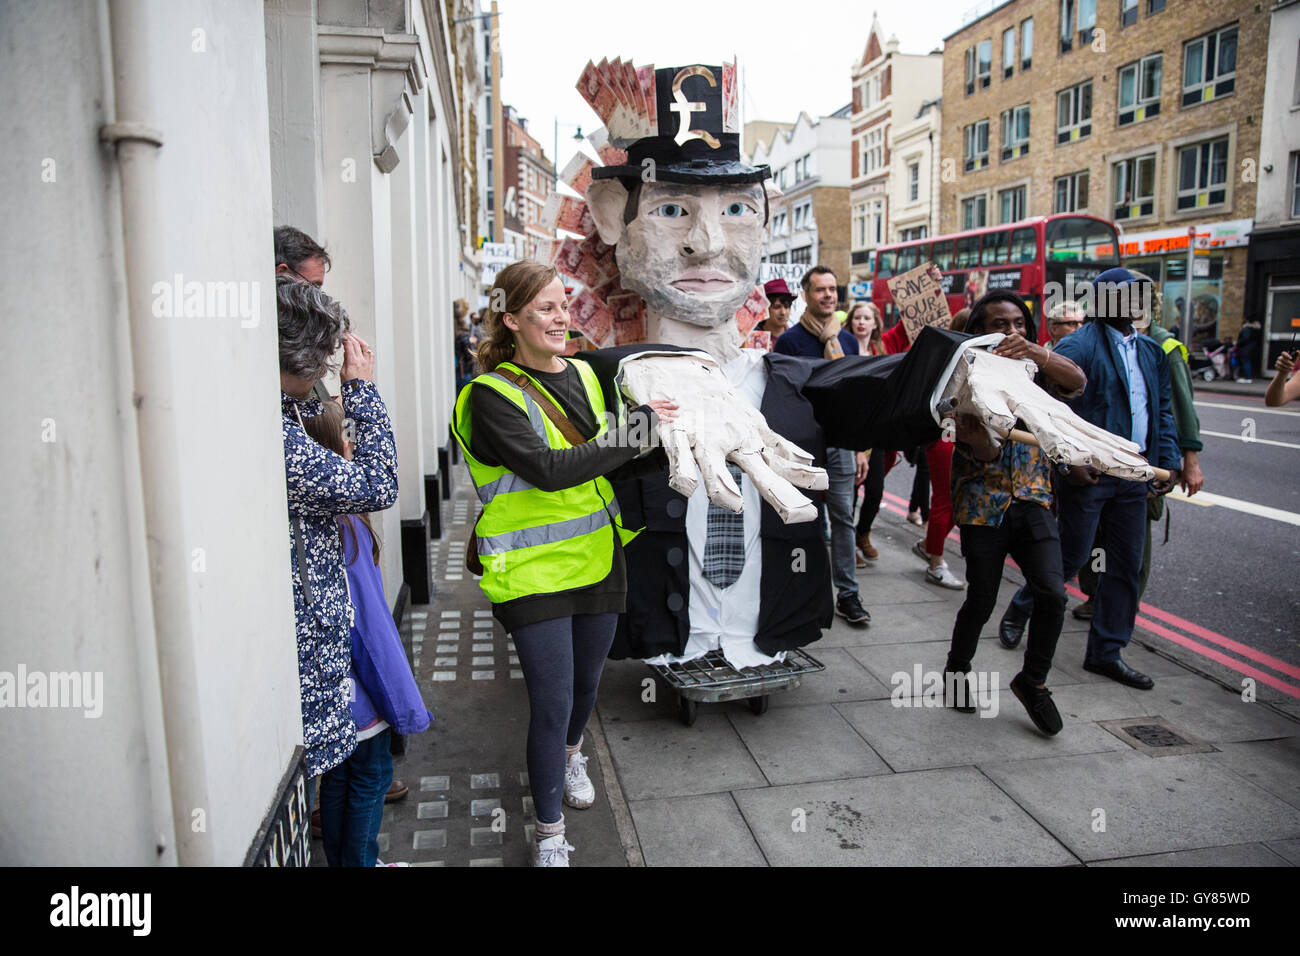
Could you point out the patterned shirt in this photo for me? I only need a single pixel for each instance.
(320, 485)
(983, 490)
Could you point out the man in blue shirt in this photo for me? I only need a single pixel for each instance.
(1128, 393)
(820, 335)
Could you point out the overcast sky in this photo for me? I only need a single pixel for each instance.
(794, 55)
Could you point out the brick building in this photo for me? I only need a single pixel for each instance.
(889, 89)
(1130, 110)
(528, 180)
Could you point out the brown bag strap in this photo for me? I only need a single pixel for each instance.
(552, 410)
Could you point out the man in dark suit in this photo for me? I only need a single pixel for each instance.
(1128, 393)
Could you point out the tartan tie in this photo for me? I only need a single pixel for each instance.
(724, 541)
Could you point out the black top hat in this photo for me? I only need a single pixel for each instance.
(691, 145)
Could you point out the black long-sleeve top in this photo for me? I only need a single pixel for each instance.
(501, 435)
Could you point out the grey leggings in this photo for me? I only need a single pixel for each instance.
(561, 659)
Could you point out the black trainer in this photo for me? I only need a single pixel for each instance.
(958, 692)
(850, 608)
(1038, 703)
(1010, 631)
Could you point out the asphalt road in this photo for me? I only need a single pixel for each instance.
(1231, 572)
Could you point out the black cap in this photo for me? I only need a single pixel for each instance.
(708, 155)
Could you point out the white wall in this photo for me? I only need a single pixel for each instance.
(75, 585)
(1280, 135)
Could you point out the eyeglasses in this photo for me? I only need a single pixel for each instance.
(303, 277)
(1074, 322)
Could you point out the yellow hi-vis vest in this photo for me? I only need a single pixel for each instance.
(532, 541)
(1172, 343)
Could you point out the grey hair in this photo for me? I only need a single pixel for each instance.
(311, 328)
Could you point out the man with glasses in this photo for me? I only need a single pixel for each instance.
(298, 254)
(1062, 319)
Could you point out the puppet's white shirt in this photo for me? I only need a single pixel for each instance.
(727, 617)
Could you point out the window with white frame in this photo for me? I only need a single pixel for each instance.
(1087, 21)
(1011, 204)
(873, 153)
(1203, 174)
(1067, 25)
(913, 182)
(911, 235)
(1070, 192)
(1128, 12)
(1008, 52)
(1210, 66)
(1134, 187)
(984, 62)
(1139, 90)
(859, 225)
(1295, 185)
(970, 71)
(1074, 113)
(1015, 132)
(974, 212)
(779, 257)
(876, 222)
(800, 211)
(778, 224)
(1026, 44)
(976, 137)
(802, 255)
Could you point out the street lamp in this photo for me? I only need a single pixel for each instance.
(555, 149)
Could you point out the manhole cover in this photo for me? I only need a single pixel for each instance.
(1155, 736)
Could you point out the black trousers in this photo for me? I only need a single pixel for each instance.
(1028, 534)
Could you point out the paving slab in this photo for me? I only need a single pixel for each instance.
(1289, 850)
(623, 691)
(933, 818)
(1150, 804)
(663, 758)
(884, 661)
(1207, 710)
(706, 830)
(844, 679)
(896, 624)
(803, 744)
(1271, 764)
(902, 589)
(1243, 854)
(923, 738)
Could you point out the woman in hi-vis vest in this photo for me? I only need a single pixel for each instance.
(540, 449)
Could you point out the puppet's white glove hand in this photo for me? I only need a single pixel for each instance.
(715, 424)
(1000, 390)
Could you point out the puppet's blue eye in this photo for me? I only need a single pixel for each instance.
(670, 210)
(740, 209)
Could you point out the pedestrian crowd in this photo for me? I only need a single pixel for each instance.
(550, 553)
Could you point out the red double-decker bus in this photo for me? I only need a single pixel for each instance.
(1025, 256)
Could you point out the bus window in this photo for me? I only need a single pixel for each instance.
(906, 258)
(995, 248)
(1079, 239)
(885, 264)
(942, 255)
(922, 253)
(968, 252)
(1023, 246)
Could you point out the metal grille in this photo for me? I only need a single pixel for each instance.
(1155, 735)
(713, 670)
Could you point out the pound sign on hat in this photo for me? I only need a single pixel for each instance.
(684, 107)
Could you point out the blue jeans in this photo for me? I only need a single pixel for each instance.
(352, 803)
(840, 472)
(1119, 508)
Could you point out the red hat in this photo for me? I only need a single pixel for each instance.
(776, 287)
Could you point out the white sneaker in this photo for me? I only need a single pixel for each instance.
(553, 851)
(944, 577)
(579, 792)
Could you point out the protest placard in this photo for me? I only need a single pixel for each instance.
(919, 299)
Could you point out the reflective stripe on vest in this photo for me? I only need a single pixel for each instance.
(544, 534)
(1172, 343)
(534, 413)
(506, 483)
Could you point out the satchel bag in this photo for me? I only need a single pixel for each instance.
(553, 411)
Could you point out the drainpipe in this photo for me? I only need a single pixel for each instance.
(138, 141)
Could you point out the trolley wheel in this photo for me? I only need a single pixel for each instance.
(687, 711)
(758, 705)
(1208, 375)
